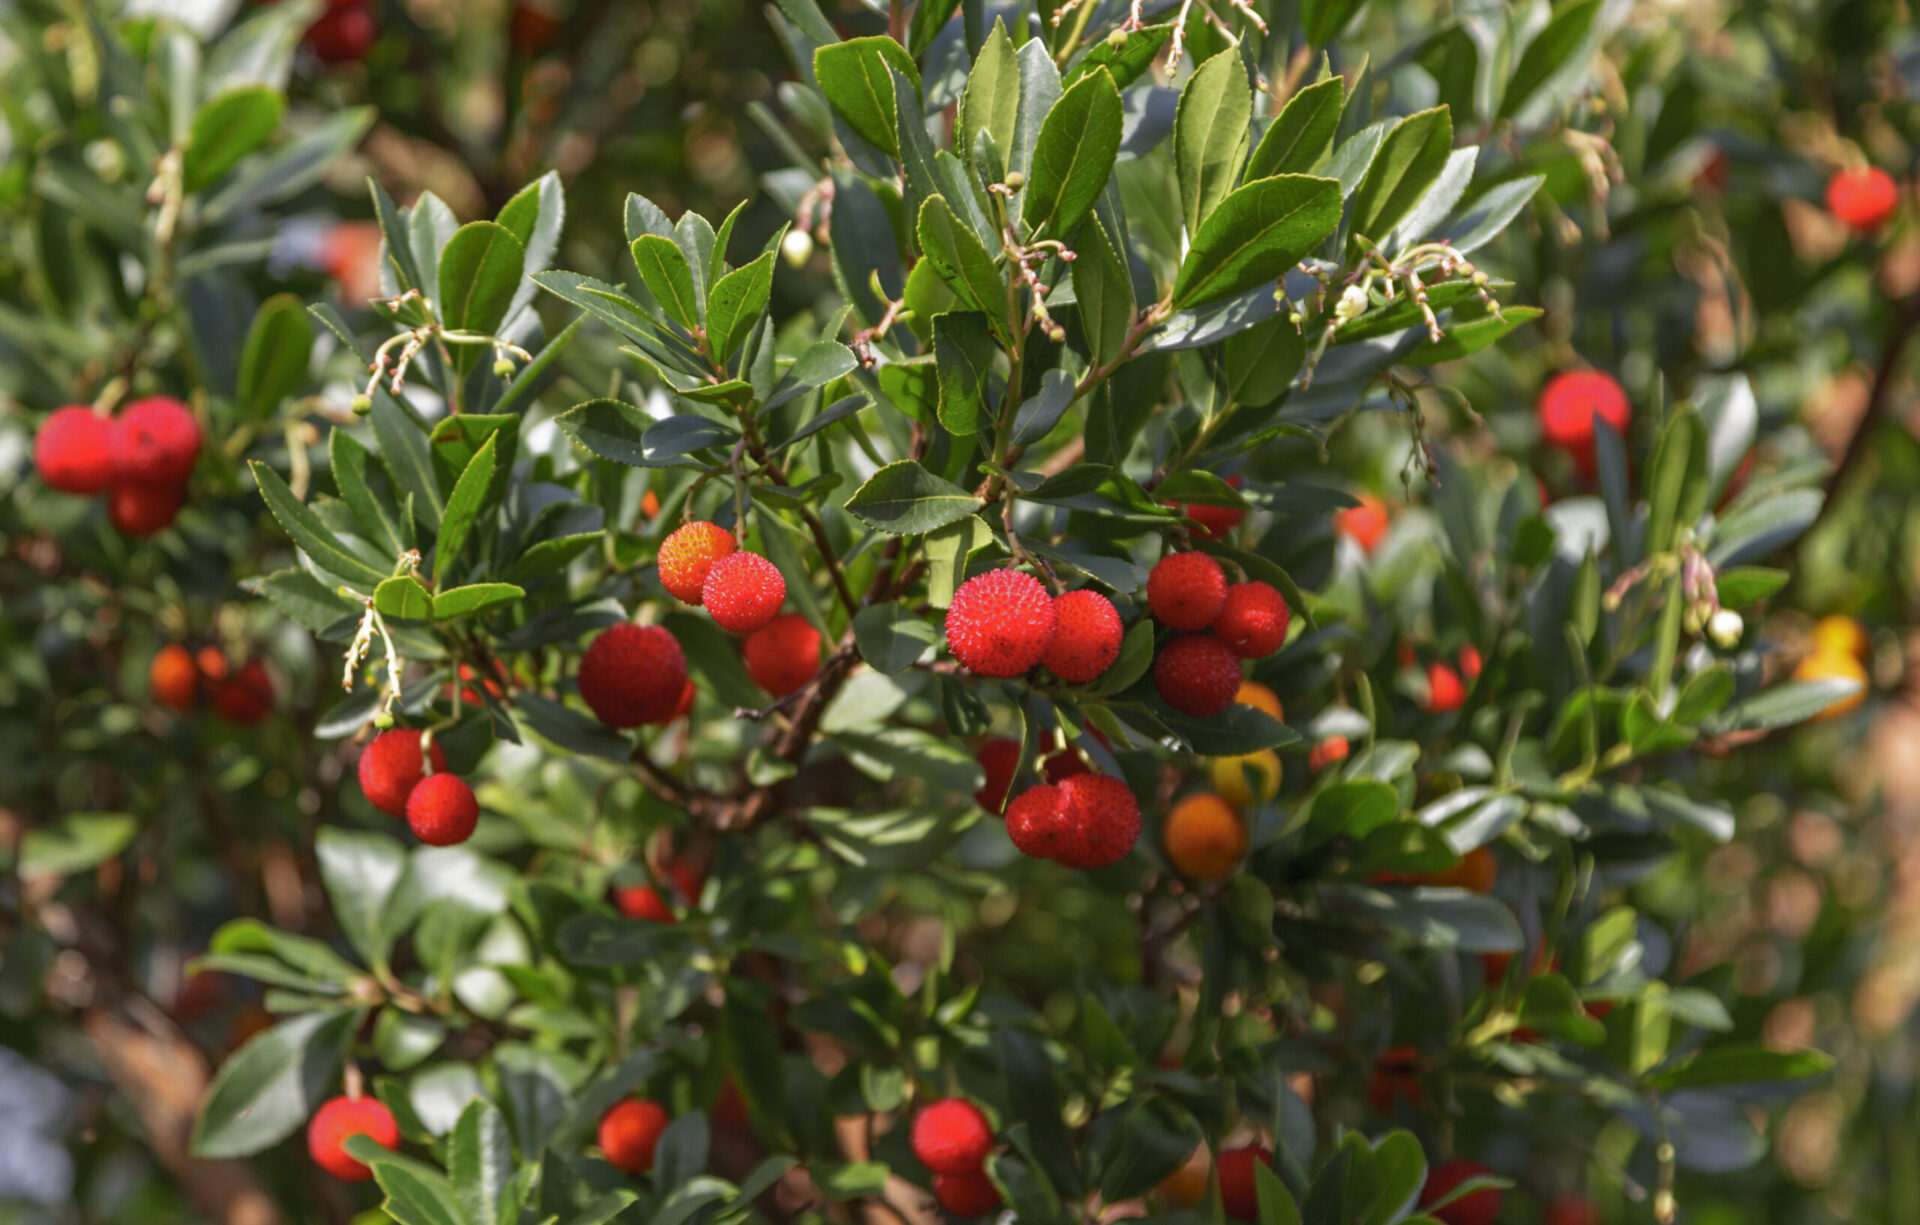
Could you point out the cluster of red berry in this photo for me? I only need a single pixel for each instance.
(139, 459)
(177, 678)
(1198, 672)
(439, 807)
(952, 1139)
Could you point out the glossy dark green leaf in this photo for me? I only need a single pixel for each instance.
(405, 597)
(963, 263)
(463, 508)
(480, 1160)
(226, 128)
(1125, 55)
(1411, 157)
(890, 637)
(735, 304)
(1301, 133)
(307, 531)
(1210, 133)
(480, 269)
(991, 101)
(1073, 157)
(273, 361)
(1548, 53)
(854, 76)
(1255, 235)
(904, 499)
(963, 355)
(473, 598)
(272, 1085)
(663, 270)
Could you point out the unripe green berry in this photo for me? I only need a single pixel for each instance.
(503, 368)
(362, 405)
(1016, 180)
(384, 720)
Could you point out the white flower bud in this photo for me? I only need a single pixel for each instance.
(1724, 629)
(797, 248)
(1352, 305)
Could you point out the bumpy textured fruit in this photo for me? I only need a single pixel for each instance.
(1366, 524)
(172, 679)
(951, 1136)
(341, 1117)
(391, 766)
(155, 442)
(1086, 637)
(783, 654)
(1230, 778)
(1106, 816)
(245, 695)
(1476, 871)
(642, 902)
(633, 674)
(1862, 197)
(1570, 403)
(1040, 821)
(1197, 674)
(1839, 635)
(1827, 666)
(1215, 521)
(139, 509)
(1061, 765)
(1235, 1167)
(630, 1131)
(999, 759)
(442, 811)
(1445, 690)
(1186, 590)
(1474, 1208)
(1261, 698)
(73, 451)
(1205, 837)
(1000, 623)
(743, 591)
(1328, 751)
(343, 33)
(1253, 621)
(687, 555)
(968, 1194)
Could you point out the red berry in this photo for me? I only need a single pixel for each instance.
(1040, 821)
(1235, 1167)
(743, 591)
(1470, 662)
(1086, 637)
(1365, 524)
(1474, 1208)
(343, 33)
(1061, 766)
(783, 654)
(1863, 197)
(1396, 1074)
(74, 450)
(633, 674)
(1106, 814)
(341, 1117)
(951, 1136)
(1445, 691)
(1328, 751)
(391, 766)
(1000, 623)
(969, 1194)
(1197, 674)
(246, 696)
(1254, 620)
(442, 811)
(1214, 521)
(137, 509)
(681, 707)
(1571, 401)
(642, 902)
(999, 758)
(155, 442)
(1571, 1210)
(172, 678)
(629, 1132)
(687, 555)
(1187, 590)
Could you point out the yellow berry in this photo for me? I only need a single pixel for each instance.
(1230, 777)
(1838, 635)
(1834, 665)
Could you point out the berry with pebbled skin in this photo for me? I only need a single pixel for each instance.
(138, 509)
(1863, 197)
(343, 33)
(1474, 1208)
(1106, 814)
(783, 654)
(246, 695)
(680, 707)
(172, 679)
(1235, 1167)
(633, 674)
(1570, 403)
(442, 811)
(968, 1194)
(687, 555)
(1186, 590)
(73, 452)
(1197, 674)
(642, 902)
(341, 1117)
(1086, 637)
(1000, 623)
(630, 1131)
(391, 766)
(999, 758)
(1446, 692)
(1365, 524)
(155, 442)
(951, 1136)
(743, 591)
(1061, 765)
(1040, 821)
(1204, 837)
(1253, 621)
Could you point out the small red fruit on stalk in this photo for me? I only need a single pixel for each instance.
(1197, 674)
(1235, 1167)
(1215, 521)
(1253, 621)
(629, 1133)
(442, 811)
(680, 708)
(341, 1117)
(1000, 623)
(1470, 663)
(1863, 197)
(343, 33)
(155, 442)
(137, 509)
(968, 1194)
(999, 759)
(1569, 405)
(642, 902)
(1365, 524)
(743, 591)
(391, 766)
(633, 674)
(687, 555)
(172, 679)
(1186, 590)
(73, 450)
(1106, 813)
(246, 696)
(1040, 821)
(951, 1136)
(1086, 637)
(1474, 1208)
(1445, 691)
(783, 654)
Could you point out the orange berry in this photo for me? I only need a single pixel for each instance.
(1365, 524)
(1205, 838)
(629, 1133)
(688, 554)
(341, 1117)
(1258, 696)
(172, 680)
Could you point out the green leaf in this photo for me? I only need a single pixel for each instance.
(1073, 157)
(272, 1085)
(663, 270)
(853, 76)
(360, 871)
(1783, 705)
(963, 357)
(891, 637)
(309, 533)
(1547, 53)
(480, 268)
(947, 550)
(1399, 1174)
(1679, 462)
(406, 456)
(929, 17)
(404, 596)
(473, 598)
(1273, 1201)
(615, 430)
(1473, 336)
(1233, 732)
(352, 475)
(75, 843)
(1745, 1063)
(227, 128)
(1301, 133)
(1323, 19)
(1255, 235)
(1741, 586)
(1411, 157)
(735, 304)
(273, 362)
(416, 1194)
(1351, 809)
(991, 100)
(463, 507)
(822, 362)
(1104, 290)
(904, 499)
(963, 263)
(1128, 61)
(1210, 133)
(480, 1161)
(303, 598)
